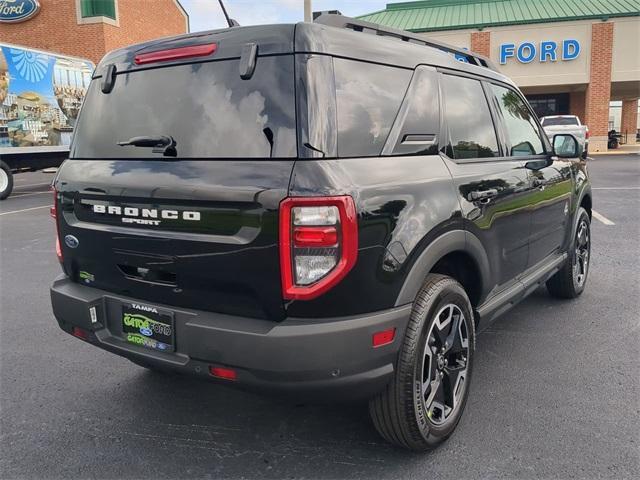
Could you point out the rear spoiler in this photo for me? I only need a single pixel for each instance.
(340, 21)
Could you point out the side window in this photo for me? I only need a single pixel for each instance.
(469, 119)
(522, 132)
(368, 98)
(98, 8)
(419, 117)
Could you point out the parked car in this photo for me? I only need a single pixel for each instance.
(40, 97)
(312, 210)
(567, 124)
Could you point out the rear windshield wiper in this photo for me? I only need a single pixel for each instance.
(160, 144)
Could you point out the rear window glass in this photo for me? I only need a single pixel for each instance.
(469, 119)
(205, 107)
(549, 122)
(368, 98)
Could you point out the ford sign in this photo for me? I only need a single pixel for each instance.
(13, 11)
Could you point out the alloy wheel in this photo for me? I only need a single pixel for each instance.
(445, 364)
(582, 250)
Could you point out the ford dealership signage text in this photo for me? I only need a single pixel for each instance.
(18, 10)
(546, 51)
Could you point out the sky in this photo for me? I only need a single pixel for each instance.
(207, 15)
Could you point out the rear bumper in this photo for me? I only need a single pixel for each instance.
(326, 359)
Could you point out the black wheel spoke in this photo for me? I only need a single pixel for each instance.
(445, 363)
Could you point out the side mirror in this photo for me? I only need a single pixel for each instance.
(566, 146)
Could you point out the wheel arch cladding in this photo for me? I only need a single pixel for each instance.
(586, 202)
(458, 254)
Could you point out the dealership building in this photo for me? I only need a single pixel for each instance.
(88, 28)
(579, 57)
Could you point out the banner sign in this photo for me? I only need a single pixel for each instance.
(40, 96)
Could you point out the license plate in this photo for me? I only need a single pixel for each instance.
(148, 327)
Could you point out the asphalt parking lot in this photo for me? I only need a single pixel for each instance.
(555, 393)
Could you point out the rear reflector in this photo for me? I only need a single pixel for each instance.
(224, 373)
(80, 333)
(383, 338)
(176, 53)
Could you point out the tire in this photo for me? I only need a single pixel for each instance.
(6, 180)
(403, 413)
(570, 280)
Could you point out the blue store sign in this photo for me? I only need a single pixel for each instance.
(547, 51)
(12, 11)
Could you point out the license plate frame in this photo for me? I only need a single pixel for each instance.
(148, 326)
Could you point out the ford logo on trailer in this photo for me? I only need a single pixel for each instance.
(12, 11)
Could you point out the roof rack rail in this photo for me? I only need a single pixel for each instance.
(340, 21)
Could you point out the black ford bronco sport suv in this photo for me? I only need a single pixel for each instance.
(326, 209)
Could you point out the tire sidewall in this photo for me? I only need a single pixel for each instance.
(451, 292)
(6, 171)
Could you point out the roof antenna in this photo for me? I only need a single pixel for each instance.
(230, 21)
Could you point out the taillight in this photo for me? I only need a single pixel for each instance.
(586, 134)
(54, 215)
(176, 53)
(318, 244)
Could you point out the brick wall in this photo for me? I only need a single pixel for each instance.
(142, 20)
(481, 43)
(629, 121)
(56, 28)
(577, 105)
(599, 89)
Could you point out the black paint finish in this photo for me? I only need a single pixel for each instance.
(441, 179)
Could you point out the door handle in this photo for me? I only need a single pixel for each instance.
(482, 195)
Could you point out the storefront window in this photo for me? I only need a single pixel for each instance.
(98, 8)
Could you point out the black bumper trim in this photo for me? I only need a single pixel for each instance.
(327, 358)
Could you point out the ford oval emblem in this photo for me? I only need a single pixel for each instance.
(146, 332)
(14, 11)
(71, 241)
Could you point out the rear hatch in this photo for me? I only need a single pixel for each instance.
(185, 211)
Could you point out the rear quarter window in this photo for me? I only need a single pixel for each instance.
(368, 98)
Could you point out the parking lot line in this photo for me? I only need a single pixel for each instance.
(25, 210)
(31, 185)
(27, 194)
(616, 188)
(602, 218)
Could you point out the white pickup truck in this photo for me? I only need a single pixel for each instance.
(567, 124)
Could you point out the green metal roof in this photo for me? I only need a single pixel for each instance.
(430, 15)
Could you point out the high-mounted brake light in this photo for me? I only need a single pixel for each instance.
(176, 53)
(54, 214)
(318, 244)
